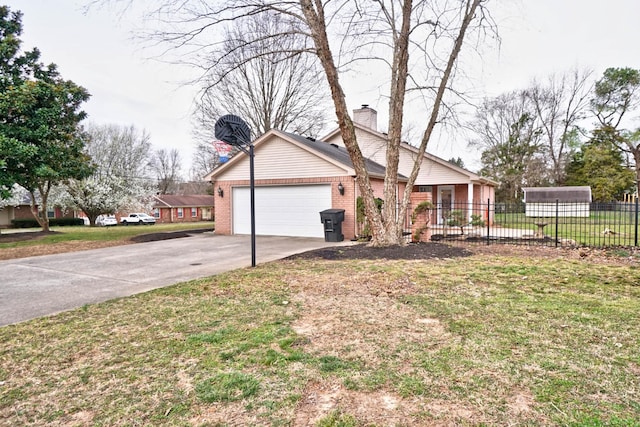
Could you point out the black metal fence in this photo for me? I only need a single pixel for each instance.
(550, 224)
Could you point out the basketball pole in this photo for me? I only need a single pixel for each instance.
(235, 131)
(253, 207)
(252, 196)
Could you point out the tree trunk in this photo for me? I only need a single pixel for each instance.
(386, 228)
(39, 211)
(470, 10)
(314, 15)
(394, 223)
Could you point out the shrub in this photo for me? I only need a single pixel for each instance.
(423, 207)
(32, 223)
(477, 221)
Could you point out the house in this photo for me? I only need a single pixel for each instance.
(296, 178)
(183, 208)
(446, 185)
(23, 211)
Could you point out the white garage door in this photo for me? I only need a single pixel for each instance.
(292, 210)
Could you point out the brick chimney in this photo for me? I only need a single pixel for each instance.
(366, 116)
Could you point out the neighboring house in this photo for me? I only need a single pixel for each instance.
(23, 211)
(183, 208)
(297, 177)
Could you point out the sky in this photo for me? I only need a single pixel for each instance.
(538, 38)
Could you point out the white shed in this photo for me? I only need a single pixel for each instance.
(544, 202)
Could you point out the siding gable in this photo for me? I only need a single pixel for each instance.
(431, 173)
(278, 158)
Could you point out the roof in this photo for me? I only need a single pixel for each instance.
(561, 194)
(183, 201)
(405, 145)
(330, 152)
(339, 154)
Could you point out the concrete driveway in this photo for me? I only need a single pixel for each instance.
(43, 285)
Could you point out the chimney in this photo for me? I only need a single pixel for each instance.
(366, 116)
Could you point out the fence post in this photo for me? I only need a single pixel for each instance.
(557, 211)
(636, 224)
(489, 220)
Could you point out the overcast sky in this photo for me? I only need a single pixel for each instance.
(95, 50)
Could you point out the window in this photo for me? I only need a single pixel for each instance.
(194, 212)
(425, 189)
(180, 213)
(156, 212)
(51, 213)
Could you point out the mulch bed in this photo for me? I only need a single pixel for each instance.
(24, 236)
(409, 251)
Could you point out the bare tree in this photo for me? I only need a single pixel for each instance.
(560, 104)
(416, 43)
(261, 82)
(166, 166)
(123, 151)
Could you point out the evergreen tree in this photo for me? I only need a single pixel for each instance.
(40, 141)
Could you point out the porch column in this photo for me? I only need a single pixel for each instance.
(469, 201)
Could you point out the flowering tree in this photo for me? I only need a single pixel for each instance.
(121, 157)
(98, 196)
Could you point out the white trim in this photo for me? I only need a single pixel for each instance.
(469, 201)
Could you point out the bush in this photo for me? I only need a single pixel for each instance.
(60, 222)
(24, 223)
(477, 221)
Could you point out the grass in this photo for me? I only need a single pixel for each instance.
(483, 340)
(85, 234)
(587, 231)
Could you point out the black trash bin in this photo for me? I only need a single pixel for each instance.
(332, 220)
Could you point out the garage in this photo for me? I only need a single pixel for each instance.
(291, 210)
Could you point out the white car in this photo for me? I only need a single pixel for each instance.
(137, 218)
(106, 220)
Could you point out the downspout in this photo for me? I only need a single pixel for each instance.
(355, 208)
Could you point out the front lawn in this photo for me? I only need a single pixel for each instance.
(85, 234)
(482, 340)
(31, 242)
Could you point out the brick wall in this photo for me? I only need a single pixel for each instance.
(169, 215)
(423, 218)
(24, 212)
